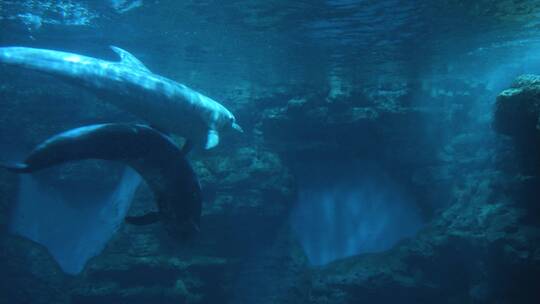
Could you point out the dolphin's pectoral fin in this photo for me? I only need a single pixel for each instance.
(212, 140)
(128, 59)
(237, 127)
(145, 219)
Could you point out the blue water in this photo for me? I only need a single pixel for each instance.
(291, 71)
(351, 208)
(352, 41)
(73, 226)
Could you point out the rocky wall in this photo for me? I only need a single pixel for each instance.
(480, 244)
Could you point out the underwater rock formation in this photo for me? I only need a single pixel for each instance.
(29, 274)
(398, 84)
(248, 192)
(407, 128)
(517, 114)
(482, 248)
(247, 195)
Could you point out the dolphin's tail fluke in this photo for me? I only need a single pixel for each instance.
(15, 167)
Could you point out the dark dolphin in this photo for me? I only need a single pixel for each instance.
(153, 155)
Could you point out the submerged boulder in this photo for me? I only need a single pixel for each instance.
(517, 111)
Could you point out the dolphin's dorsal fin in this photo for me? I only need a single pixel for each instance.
(212, 139)
(128, 59)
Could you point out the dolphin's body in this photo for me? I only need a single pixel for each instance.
(154, 156)
(130, 86)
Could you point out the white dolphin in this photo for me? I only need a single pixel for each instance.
(129, 85)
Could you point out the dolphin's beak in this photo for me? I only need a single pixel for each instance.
(237, 127)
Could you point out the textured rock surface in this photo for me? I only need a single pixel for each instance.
(517, 114)
(480, 242)
(517, 111)
(248, 193)
(480, 250)
(119, 278)
(479, 246)
(29, 275)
